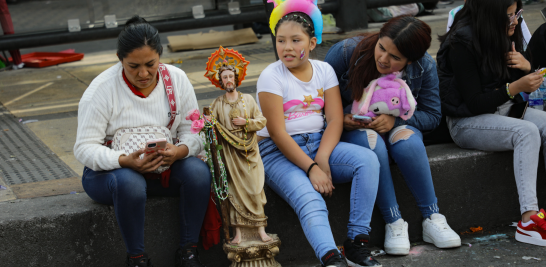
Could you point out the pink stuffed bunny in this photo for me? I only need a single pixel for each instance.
(386, 95)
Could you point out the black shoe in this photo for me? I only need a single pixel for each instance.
(188, 256)
(138, 261)
(333, 259)
(357, 252)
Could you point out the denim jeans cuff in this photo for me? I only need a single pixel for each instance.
(391, 219)
(429, 210)
(351, 234)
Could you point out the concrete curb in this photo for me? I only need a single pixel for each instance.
(473, 189)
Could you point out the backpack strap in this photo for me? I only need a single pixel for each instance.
(167, 81)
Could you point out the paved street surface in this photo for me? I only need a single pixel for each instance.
(488, 249)
(48, 100)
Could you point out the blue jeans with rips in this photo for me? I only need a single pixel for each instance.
(348, 163)
(127, 190)
(411, 157)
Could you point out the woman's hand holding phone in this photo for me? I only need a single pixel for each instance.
(350, 124)
(150, 162)
(173, 153)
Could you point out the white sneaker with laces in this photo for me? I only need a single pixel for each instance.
(437, 231)
(396, 238)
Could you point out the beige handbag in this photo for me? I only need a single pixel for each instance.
(132, 139)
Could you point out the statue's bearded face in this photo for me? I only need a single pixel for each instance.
(228, 80)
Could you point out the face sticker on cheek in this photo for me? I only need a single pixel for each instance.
(302, 54)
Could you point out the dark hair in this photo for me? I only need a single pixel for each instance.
(224, 68)
(490, 37)
(410, 35)
(136, 34)
(301, 18)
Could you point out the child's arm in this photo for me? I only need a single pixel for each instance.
(333, 110)
(272, 108)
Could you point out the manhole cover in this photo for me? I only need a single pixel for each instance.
(23, 157)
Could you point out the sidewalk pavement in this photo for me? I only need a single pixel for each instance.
(47, 100)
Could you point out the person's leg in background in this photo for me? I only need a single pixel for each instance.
(492, 132)
(7, 27)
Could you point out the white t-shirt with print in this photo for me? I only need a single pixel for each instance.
(303, 102)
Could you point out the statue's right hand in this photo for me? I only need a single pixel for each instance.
(150, 162)
(321, 182)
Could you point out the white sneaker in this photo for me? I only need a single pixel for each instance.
(20, 66)
(437, 231)
(396, 238)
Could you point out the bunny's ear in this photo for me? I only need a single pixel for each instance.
(408, 101)
(367, 97)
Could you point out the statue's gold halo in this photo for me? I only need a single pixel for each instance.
(225, 56)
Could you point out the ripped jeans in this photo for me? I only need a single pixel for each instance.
(405, 146)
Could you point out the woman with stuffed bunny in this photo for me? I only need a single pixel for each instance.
(480, 86)
(135, 96)
(400, 48)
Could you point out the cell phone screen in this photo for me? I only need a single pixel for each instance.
(155, 145)
(364, 119)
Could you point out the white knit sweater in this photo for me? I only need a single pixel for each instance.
(108, 104)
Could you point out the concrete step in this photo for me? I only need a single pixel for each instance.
(473, 188)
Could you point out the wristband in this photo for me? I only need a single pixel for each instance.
(508, 91)
(310, 167)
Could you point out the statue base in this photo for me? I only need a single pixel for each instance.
(252, 251)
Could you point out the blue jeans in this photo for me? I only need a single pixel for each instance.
(411, 157)
(127, 190)
(348, 163)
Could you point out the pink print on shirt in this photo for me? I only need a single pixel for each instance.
(296, 109)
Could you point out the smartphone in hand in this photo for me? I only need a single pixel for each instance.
(364, 119)
(155, 145)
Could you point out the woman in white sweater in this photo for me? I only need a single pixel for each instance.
(131, 94)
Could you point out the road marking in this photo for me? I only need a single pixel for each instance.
(29, 93)
(44, 108)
